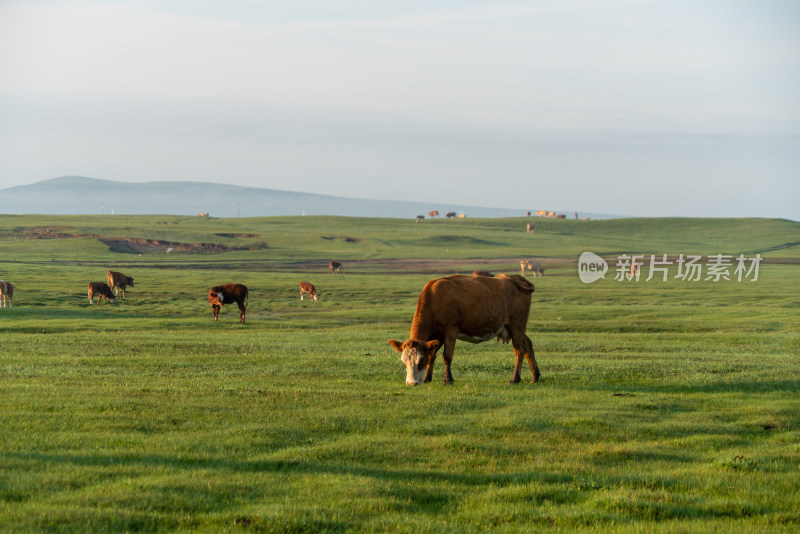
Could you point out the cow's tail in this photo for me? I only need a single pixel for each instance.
(247, 298)
(520, 282)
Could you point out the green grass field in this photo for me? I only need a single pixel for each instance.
(663, 406)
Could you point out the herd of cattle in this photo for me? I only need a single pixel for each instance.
(473, 308)
(434, 214)
(217, 295)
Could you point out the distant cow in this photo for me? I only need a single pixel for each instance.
(118, 281)
(433, 213)
(420, 217)
(306, 287)
(462, 216)
(6, 293)
(531, 265)
(530, 228)
(102, 291)
(226, 294)
(561, 216)
(333, 267)
(472, 309)
(450, 214)
(481, 273)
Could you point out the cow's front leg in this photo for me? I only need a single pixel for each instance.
(429, 370)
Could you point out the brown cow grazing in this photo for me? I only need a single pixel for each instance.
(469, 308)
(481, 273)
(118, 281)
(450, 214)
(306, 287)
(102, 291)
(226, 294)
(433, 213)
(6, 293)
(333, 267)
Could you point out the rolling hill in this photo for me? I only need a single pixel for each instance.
(78, 195)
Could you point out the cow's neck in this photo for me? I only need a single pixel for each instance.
(422, 327)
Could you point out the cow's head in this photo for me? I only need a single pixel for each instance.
(130, 281)
(416, 355)
(215, 298)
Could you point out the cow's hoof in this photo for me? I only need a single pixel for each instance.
(514, 380)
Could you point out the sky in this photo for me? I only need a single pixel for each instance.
(624, 107)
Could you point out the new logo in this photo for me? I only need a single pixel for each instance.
(591, 267)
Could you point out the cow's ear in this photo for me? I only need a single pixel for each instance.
(433, 345)
(398, 346)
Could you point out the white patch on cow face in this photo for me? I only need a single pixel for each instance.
(413, 359)
(221, 298)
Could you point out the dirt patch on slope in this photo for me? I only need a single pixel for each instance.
(132, 245)
(42, 232)
(135, 245)
(239, 235)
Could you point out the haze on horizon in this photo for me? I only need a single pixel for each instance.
(630, 107)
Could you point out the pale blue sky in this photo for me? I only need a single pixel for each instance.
(634, 107)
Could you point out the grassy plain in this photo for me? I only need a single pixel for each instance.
(663, 406)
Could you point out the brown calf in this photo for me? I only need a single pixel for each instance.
(306, 287)
(6, 293)
(473, 309)
(102, 291)
(226, 294)
(333, 267)
(118, 281)
(433, 213)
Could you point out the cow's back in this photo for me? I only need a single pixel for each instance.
(473, 304)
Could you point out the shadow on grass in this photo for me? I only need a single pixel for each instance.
(753, 386)
(45, 320)
(429, 491)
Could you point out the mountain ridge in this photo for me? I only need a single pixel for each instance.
(81, 195)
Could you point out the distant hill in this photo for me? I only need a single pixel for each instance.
(78, 195)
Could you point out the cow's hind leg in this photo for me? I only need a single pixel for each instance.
(523, 348)
(531, 356)
(241, 312)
